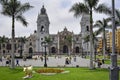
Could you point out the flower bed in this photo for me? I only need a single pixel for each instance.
(49, 70)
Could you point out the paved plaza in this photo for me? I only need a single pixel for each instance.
(55, 62)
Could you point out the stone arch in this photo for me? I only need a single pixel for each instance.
(4, 52)
(53, 50)
(30, 51)
(65, 49)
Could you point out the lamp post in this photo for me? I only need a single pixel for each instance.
(44, 44)
(114, 69)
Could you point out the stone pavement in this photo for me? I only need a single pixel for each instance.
(55, 62)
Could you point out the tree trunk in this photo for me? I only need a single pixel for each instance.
(104, 46)
(13, 35)
(91, 41)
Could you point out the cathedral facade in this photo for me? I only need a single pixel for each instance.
(64, 42)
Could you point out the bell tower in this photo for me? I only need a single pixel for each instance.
(42, 28)
(85, 30)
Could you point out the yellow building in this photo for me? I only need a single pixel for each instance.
(109, 42)
(117, 41)
(100, 45)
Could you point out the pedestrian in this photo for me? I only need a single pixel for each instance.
(17, 63)
(7, 63)
(41, 58)
(99, 64)
(103, 61)
(66, 61)
(0, 59)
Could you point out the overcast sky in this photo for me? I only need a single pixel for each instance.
(58, 13)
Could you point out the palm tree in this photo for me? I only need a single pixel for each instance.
(87, 8)
(14, 9)
(102, 25)
(95, 39)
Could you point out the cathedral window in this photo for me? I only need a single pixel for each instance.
(77, 39)
(8, 46)
(42, 29)
(87, 28)
(30, 44)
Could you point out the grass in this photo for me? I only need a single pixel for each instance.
(107, 61)
(74, 74)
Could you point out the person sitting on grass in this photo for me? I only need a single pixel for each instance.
(28, 71)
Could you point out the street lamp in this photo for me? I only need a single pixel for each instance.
(114, 69)
(44, 44)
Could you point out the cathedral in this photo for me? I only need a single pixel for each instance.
(62, 43)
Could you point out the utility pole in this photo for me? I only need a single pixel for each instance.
(114, 69)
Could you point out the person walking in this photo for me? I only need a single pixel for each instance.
(17, 63)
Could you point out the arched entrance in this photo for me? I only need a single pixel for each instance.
(65, 49)
(53, 50)
(77, 50)
(30, 52)
(4, 52)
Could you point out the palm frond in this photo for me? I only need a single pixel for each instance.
(99, 31)
(98, 24)
(117, 23)
(23, 8)
(102, 8)
(92, 3)
(48, 40)
(6, 12)
(109, 19)
(79, 8)
(118, 14)
(3, 2)
(86, 38)
(22, 20)
(108, 27)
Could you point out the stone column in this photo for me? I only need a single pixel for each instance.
(58, 46)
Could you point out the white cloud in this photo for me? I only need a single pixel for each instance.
(59, 16)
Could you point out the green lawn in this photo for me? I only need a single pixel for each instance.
(107, 61)
(74, 74)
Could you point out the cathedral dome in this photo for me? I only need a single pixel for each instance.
(43, 10)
